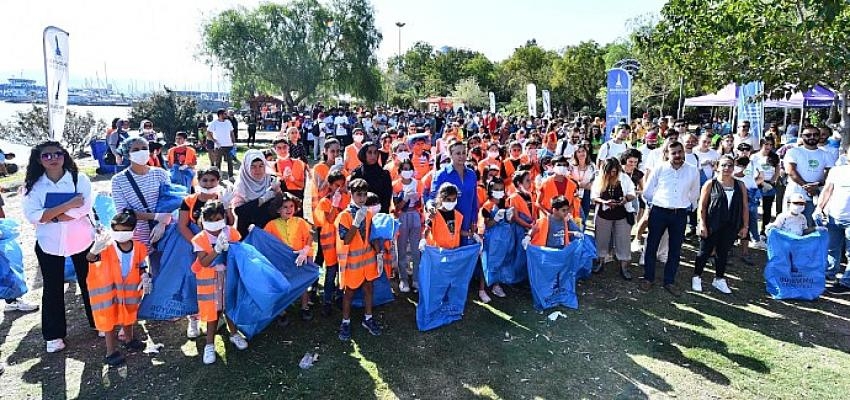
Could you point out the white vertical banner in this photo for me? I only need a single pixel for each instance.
(531, 90)
(56, 79)
(547, 103)
(492, 102)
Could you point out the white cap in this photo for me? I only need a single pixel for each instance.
(796, 198)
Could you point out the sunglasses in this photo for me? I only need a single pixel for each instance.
(50, 156)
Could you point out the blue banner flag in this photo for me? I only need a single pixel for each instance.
(796, 265)
(751, 106)
(619, 99)
(444, 277)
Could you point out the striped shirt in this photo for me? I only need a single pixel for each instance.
(125, 197)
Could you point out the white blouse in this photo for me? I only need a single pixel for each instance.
(61, 238)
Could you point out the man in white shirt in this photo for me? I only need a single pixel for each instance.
(614, 147)
(341, 129)
(672, 189)
(834, 208)
(745, 136)
(568, 145)
(650, 144)
(221, 132)
(807, 167)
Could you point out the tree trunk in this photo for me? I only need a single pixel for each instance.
(845, 119)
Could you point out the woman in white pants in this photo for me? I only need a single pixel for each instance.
(612, 193)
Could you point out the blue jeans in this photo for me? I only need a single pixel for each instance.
(839, 243)
(673, 221)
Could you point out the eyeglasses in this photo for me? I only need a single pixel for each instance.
(50, 156)
(808, 135)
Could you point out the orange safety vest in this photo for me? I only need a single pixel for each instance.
(398, 187)
(350, 160)
(542, 232)
(115, 299)
(190, 201)
(521, 207)
(357, 260)
(483, 164)
(440, 235)
(191, 156)
(392, 168)
(549, 190)
(297, 238)
(421, 166)
(298, 178)
(481, 194)
(206, 276)
(509, 169)
(324, 216)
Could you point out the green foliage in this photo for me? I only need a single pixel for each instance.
(468, 92)
(168, 112)
(578, 75)
(296, 48)
(32, 127)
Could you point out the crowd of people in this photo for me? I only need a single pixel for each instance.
(447, 178)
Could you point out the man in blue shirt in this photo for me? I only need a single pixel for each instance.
(464, 178)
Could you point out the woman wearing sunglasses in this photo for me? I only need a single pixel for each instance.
(58, 200)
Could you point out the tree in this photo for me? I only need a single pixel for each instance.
(468, 92)
(482, 69)
(32, 127)
(578, 75)
(294, 49)
(168, 112)
(531, 64)
(787, 44)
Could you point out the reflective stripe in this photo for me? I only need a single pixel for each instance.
(132, 300)
(326, 235)
(360, 252)
(104, 304)
(128, 287)
(360, 264)
(205, 282)
(206, 296)
(102, 290)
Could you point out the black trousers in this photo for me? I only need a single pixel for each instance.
(53, 296)
(766, 211)
(721, 241)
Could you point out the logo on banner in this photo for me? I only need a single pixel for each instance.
(58, 52)
(619, 99)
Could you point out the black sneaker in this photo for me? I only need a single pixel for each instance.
(115, 359)
(135, 346)
(345, 331)
(838, 288)
(372, 326)
(306, 314)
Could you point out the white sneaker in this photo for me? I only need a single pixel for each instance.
(482, 294)
(20, 305)
(239, 341)
(636, 246)
(209, 354)
(402, 287)
(101, 334)
(55, 345)
(497, 290)
(192, 330)
(758, 245)
(721, 286)
(696, 284)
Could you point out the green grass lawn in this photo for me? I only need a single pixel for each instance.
(620, 343)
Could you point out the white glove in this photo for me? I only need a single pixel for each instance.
(146, 286)
(766, 187)
(525, 241)
(359, 217)
(157, 232)
(162, 218)
(509, 214)
(251, 227)
(577, 235)
(268, 195)
(101, 242)
(422, 243)
(220, 268)
(302, 256)
(227, 196)
(184, 167)
(336, 199)
(500, 216)
(477, 238)
(221, 243)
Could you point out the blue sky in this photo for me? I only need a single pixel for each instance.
(154, 42)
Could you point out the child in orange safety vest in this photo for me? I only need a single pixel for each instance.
(555, 229)
(494, 210)
(325, 211)
(209, 246)
(442, 225)
(357, 257)
(117, 279)
(296, 233)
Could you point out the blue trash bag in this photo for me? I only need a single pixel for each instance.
(444, 277)
(175, 290)
(796, 265)
(518, 270)
(104, 208)
(13, 284)
(70, 272)
(170, 197)
(499, 252)
(552, 275)
(182, 177)
(255, 292)
(584, 256)
(300, 278)
(382, 293)
(384, 226)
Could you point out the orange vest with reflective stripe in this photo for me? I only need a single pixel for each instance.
(542, 232)
(191, 158)
(357, 260)
(521, 207)
(422, 167)
(299, 236)
(190, 201)
(115, 299)
(298, 178)
(206, 276)
(324, 216)
(549, 190)
(350, 160)
(440, 235)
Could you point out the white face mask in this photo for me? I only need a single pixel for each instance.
(492, 154)
(561, 170)
(407, 174)
(122, 236)
(214, 226)
(374, 209)
(738, 170)
(403, 155)
(796, 209)
(213, 190)
(140, 157)
(449, 205)
(358, 138)
(338, 161)
(499, 195)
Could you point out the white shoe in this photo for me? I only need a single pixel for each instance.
(55, 345)
(101, 334)
(497, 290)
(758, 245)
(482, 294)
(402, 287)
(636, 246)
(209, 354)
(192, 330)
(239, 341)
(20, 305)
(696, 284)
(721, 286)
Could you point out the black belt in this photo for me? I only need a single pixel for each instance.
(672, 210)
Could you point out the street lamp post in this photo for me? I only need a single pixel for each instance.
(399, 25)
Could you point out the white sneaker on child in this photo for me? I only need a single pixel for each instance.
(238, 341)
(696, 284)
(192, 330)
(482, 294)
(497, 290)
(402, 287)
(55, 345)
(20, 305)
(721, 286)
(209, 354)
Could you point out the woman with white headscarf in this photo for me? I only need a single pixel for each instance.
(255, 186)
